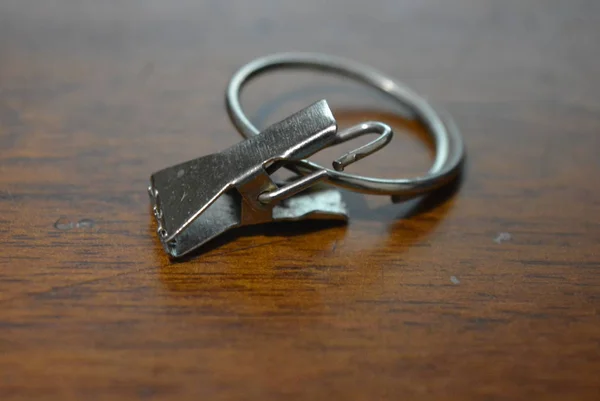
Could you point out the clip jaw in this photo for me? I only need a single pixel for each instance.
(195, 201)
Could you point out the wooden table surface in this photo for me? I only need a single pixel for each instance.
(490, 292)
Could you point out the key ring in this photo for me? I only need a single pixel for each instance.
(447, 139)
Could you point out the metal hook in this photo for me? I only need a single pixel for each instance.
(370, 127)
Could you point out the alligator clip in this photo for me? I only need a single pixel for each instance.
(195, 201)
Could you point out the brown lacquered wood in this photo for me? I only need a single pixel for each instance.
(489, 292)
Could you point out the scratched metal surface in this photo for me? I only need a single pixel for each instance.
(491, 292)
(185, 197)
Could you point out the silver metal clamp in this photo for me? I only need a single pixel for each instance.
(195, 201)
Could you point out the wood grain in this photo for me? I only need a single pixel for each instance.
(490, 292)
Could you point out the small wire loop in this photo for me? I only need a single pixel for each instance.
(370, 127)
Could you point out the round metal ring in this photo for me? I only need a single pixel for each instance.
(448, 142)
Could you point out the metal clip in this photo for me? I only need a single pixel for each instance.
(195, 201)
